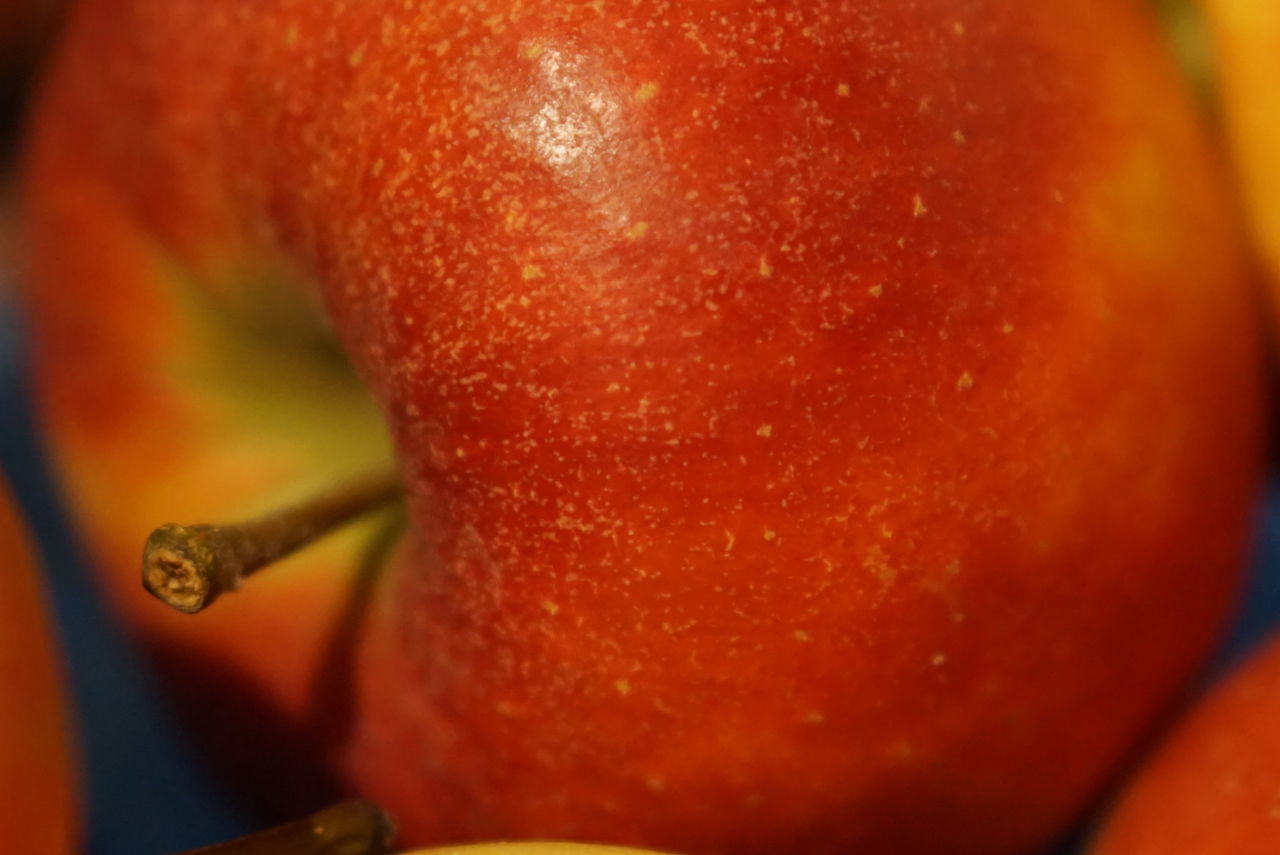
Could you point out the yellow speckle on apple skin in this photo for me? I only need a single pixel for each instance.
(645, 92)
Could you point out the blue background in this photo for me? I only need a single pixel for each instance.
(144, 793)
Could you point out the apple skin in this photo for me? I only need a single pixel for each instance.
(825, 427)
(1246, 41)
(1213, 787)
(37, 784)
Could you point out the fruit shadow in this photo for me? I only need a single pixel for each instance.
(278, 765)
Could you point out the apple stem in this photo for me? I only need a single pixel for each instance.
(351, 828)
(189, 567)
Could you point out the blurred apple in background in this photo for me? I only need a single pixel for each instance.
(824, 427)
(1246, 42)
(1214, 787)
(37, 782)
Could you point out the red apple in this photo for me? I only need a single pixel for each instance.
(823, 426)
(37, 787)
(1246, 41)
(1214, 786)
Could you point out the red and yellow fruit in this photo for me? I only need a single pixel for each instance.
(1246, 41)
(1214, 787)
(816, 420)
(37, 785)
